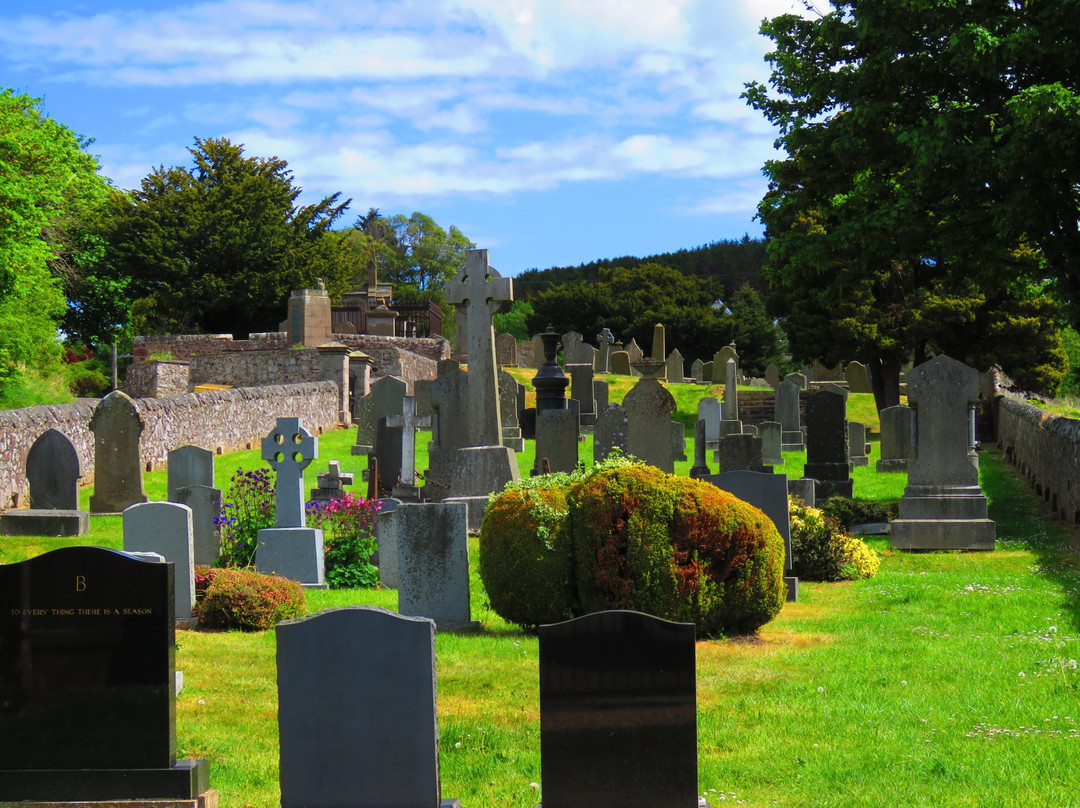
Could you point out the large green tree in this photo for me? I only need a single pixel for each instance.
(49, 189)
(217, 247)
(897, 224)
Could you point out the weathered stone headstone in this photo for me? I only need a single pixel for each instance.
(165, 528)
(707, 372)
(649, 408)
(556, 440)
(697, 370)
(330, 484)
(610, 432)
(509, 390)
(537, 350)
(620, 363)
(189, 465)
(570, 340)
(87, 638)
(409, 421)
(857, 444)
(676, 374)
(804, 489)
(701, 463)
(618, 712)
(581, 389)
(772, 375)
(827, 455)
(731, 391)
(822, 373)
(786, 411)
(659, 343)
(740, 452)
(506, 350)
(389, 450)
(384, 401)
(290, 548)
(53, 472)
(205, 504)
(769, 494)
(605, 339)
(895, 438)
(708, 410)
(678, 441)
(943, 507)
(772, 451)
(798, 379)
(355, 728)
(433, 563)
(600, 394)
(118, 482)
(584, 354)
(721, 357)
(633, 350)
(857, 378)
(385, 558)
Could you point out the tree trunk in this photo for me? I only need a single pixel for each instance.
(885, 381)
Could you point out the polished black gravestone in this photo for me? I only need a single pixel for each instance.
(618, 712)
(87, 704)
(357, 717)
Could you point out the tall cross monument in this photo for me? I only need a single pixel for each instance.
(479, 290)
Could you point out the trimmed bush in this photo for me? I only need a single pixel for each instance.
(822, 551)
(203, 576)
(525, 555)
(850, 512)
(249, 601)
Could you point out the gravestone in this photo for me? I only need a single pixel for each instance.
(389, 449)
(409, 422)
(610, 432)
(600, 394)
(537, 350)
(649, 408)
(53, 472)
(383, 401)
(701, 463)
(584, 354)
(943, 507)
(188, 465)
(803, 488)
(581, 389)
(798, 379)
(769, 494)
(570, 340)
(330, 484)
(385, 558)
(786, 411)
(605, 339)
(633, 350)
(772, 375)
(697, 370)
(659, 343)
(433, 563)
(620, 363)
(675, 368)
(822, 373)
(506, 350)
(618, 712)
(740, 452)
(731, 391)
(556, 440)
(827, 455)
(509, 390)
(857, 378)
(708, 410)
(707, 372)
(857, 444)
(358, 729)
(678, 441)
(895, 438)
(118, 479)
(205, 504)
(772, 451)
(290, 548)
(88, 681)
(724, 354)
(165, 528)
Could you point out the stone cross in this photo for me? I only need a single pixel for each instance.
(409, 422)
(478, 290)
(289, 448)
(605, 339)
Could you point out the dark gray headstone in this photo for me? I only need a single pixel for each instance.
(618, 712)
(610, 432)
(53, 471)
(118, 479)
(87, 677)
(388, 448)
(358, 728)
(205, 504)
(189, 465)
(433, 563)
(827, 456)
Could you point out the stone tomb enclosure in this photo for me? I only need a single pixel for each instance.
(96, 718)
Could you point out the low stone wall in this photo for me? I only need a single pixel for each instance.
(219, 420)
(157, 379)
(247, 369)
(1046, 449)
(184, 346)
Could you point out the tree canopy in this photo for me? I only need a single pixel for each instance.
(49, 189)
(218, 247)
(903, 220)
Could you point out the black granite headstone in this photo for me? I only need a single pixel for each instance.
(358, 728)
(618, 712)
(388, 448)
(87, 704)
(53, 471)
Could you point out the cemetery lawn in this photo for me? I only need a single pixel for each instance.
(949, 679)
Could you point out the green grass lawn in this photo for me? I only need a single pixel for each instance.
(949, 679)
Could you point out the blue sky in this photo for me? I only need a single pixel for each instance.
(551, 132)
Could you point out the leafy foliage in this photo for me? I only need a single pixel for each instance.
(822, 551)
(348, 525)
(249, 601)
(219, 246)
(246, 508)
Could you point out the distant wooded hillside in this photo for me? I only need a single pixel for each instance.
(730, 262)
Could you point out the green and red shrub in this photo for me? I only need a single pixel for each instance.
(249, 601)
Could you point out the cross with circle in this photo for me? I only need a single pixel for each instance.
(289, 449)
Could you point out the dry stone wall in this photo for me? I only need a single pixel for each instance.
(219, 420)
(1046, 449)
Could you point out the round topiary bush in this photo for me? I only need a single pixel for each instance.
(525, 554)
(249, 601)
(676, 548)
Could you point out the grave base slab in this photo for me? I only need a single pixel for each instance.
(892, 464)
(42, 522)
(943, 534)
(184, 780)
(292, 552)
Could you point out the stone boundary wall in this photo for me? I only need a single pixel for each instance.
(218, 420)
(1046, 449)
(756, 406)
(157, 379)
(184, 346)
(246, 369)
